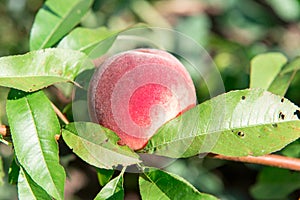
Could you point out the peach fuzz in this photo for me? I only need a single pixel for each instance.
(135, 92)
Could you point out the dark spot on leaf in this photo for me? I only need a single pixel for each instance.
(282, 100)
(297, 112)
(33, 85)
(30, 89)
(281, 116)
(241, 134)
(275, 125)
(154, 149)
(243, 97)
(106, 140)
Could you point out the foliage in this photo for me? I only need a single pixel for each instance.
(64, 40)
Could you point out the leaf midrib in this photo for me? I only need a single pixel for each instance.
(220, 131)
(58, 25)
(153, 182)
(42, 153)
(83, 140)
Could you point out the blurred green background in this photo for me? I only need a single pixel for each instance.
(232, 31)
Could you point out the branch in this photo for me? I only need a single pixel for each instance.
(60, 114)
(269, 160)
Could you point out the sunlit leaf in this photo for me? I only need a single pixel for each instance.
(28, 189)
(113, 190)
(281, 83)
(275, 183)
(238, 123)
(166, 186)
(33, 126)
(265, 68)
(94, 42)
(294, 65)
(55, 19)
(97, 145)
(283, 80)
(39, 69)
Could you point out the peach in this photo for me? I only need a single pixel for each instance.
(135, 92)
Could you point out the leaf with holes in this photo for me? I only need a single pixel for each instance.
(33, 125)
(55, 19)
(238, 123)
(158, 184)
(38, 69)
(97, 145)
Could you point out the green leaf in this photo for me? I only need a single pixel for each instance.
(33, 125)
(94, 42)
(39, 69)
(166, 186)
(288, 10)
(238, 123)
(113, 190)
(292, 150)
(98, 145)
(28, 189)
(265, 68)
(292, 66)
(104, 175)
(282, 82)
(13, 173)
(54, 20)
(275, 183)
(2, 174)
(3, 96)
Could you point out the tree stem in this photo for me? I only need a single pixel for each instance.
(269, 160)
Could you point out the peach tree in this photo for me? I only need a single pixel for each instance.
(248, 125)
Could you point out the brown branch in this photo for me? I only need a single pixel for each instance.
(60, 114)
(269, 160)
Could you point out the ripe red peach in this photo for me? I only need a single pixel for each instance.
(135, 92)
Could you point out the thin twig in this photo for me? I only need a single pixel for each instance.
(269, 160)
(60, 114)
